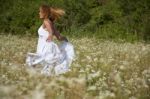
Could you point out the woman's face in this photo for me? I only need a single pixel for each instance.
(41, 14)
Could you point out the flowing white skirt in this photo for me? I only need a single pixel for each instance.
(54, 59)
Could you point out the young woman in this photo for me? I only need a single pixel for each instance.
(55, 59)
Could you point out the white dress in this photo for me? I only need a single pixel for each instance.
(55, 59)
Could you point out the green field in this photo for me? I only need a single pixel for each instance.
(102, 69)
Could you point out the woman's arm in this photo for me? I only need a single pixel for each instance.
(58, 35)
(48, 25)
(51, 29)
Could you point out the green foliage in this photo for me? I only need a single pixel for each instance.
(105, 18)
(136, 14)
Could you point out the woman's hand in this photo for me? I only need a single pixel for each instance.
(49, 38)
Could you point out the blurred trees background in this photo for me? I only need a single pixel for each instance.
(107, 19)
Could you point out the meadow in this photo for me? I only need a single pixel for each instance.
(102, 69)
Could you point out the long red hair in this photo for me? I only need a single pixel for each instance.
(52, 13)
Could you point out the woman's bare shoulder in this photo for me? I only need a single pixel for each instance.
(47, 21)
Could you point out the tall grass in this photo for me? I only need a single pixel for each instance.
(103, 69)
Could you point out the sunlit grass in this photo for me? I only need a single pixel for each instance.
(101, 70)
